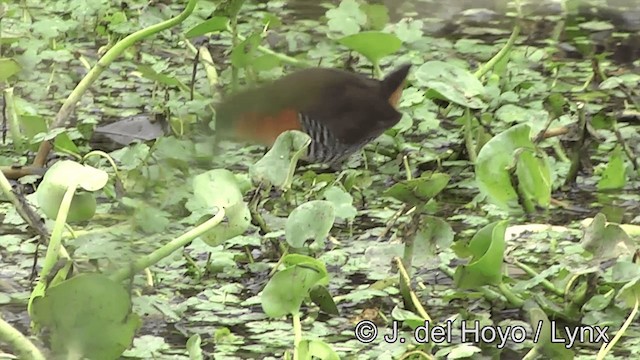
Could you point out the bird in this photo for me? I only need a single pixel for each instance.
(341, 111)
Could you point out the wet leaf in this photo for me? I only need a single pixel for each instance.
(213, 25)
(8, 68)
(347, 18)
(285, 291)
(373, 45)
(87, 315)
(316, 349)
(311, 220)
(342, 202)
(614, 176)
(419, 191)
(277, 166)
(452, 83)
(59, 178)
(497, 156)
(487, 250)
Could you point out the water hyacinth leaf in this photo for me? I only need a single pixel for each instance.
(215, 24)
(373, 45)
(342, 202)
(8, 68)
(316, 349)
(434, 233)
(534, 179)
(485, 267)
(607, 241)
(347, 18)
(451, 83)
(377, 15)
(89, 315)
(300, 259)
(321, 296)
(311, 220)
(545, 345)
(496, 158)
(614, 175)
(278, 165)
(287, 289)
(214, 190)
(59, 178)
(419, 191)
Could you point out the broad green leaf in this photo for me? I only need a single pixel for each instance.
(630, 293)
(409, 31)
(614, 175)
(377, 15)
(434, 233)
(606, 241)
(374, 45)
(381, 254)
(61, 176)
(311, 220)
(534, 179)
(88, 315)
(215, 24)
(193, 347)
(285, 291)
(451, 83)
(321, 296)
(342, 202)
(347, 18)
(485, 267)
(213, 190)
(498, 155)
(541, 325)
(316, 349)
(242, 55)
(8, 68)
(171, 81)
(419, 191)
(278, 165)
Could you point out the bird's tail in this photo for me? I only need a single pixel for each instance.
(393, 84)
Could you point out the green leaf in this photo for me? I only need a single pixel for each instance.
(243, 53)
(316, 349)
(419, 191)
(545, 344)
(342, 202)
(8, 68)
(485, 267)
(311, 220)
(533, 173)
(347, 18)
(374, 45)
(87, 315)
(171, 81)
(377, 15)
(409, 31)
(606, 241)
(320, 296)
(193, 347)
(215, 24)
(452, 83)
(614, 175)
(433, 233)
(214, 190)
(534, 179)
(278, 165)
(59, 178)
(285, 291)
